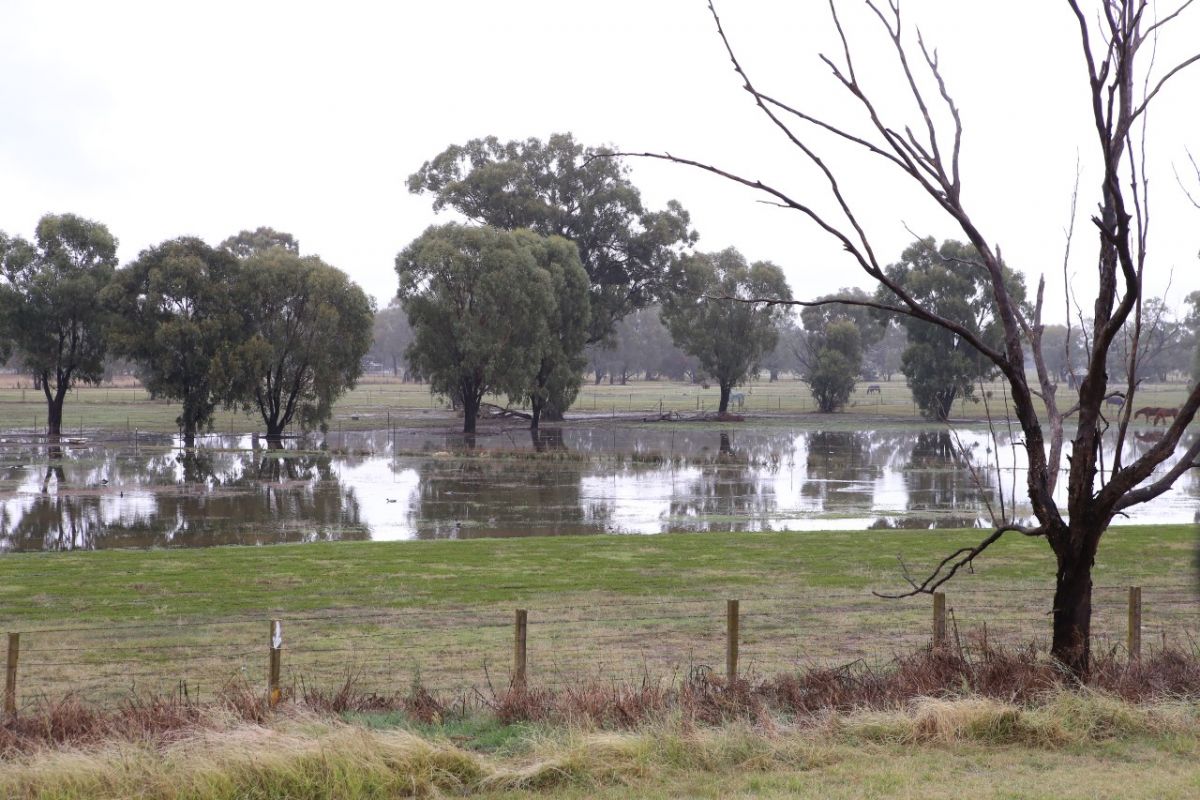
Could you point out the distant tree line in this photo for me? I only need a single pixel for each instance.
(558, 272)
(248, 324)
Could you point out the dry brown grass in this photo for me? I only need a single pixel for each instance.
(1024, 678)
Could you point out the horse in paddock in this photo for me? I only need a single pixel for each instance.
(1156, 414)
(875, 388)
(1164, 414)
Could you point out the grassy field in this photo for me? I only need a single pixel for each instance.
(125, 407)
(441, 612)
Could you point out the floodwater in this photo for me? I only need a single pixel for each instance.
(635, 479)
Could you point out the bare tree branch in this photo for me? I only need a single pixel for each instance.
(951, 564)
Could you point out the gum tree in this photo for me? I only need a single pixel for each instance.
(728, 339)
(50, 289)
(173, 313)
(480, 306)
(939, 365)
(308, 327)
(558, 187)
(1117, 41)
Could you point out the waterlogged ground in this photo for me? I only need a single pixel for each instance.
(591, 477)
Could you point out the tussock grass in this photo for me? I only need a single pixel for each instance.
(304, 755)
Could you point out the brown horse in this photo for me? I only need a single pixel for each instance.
(1165, 413)
(1156, 414)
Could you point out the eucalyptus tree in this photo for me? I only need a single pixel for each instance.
(831, 361)
(832, 349)
(1121, 82)
(50, 313)
(561, 360)
(480, 306)
(246, 243)
(728, 338)
(560, 188)
(308, 327)
(939, 364)
(174, 313)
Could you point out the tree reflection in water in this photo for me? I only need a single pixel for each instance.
(840, 473)
(577, 479)
(464, 497)
(730, 491)
(193, 498)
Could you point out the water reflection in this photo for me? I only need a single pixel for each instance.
(729, 491)
(90, 499)
(581, 479)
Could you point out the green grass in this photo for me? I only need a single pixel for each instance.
(214, 583)
(600, 607)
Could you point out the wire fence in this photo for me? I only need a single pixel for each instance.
(460, 651)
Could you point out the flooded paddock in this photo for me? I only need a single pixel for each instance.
(580, 479)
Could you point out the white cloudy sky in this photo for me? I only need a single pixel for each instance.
(162, 119)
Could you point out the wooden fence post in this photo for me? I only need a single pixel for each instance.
(10, 675)
(1135, 623)
(276, 647)
(939, 621)
(520, 631)
(732, 623)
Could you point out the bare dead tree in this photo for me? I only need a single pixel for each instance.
(1120, 89)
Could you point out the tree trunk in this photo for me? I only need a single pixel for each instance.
(945, 404)
(774, 373)
(470, 411)
(189, 434)
(726, 388)
(535, 407)
(54, 410)
(1071, 645)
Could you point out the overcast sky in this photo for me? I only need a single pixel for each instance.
(163, 119)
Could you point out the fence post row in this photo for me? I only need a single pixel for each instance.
(520, 643)
(10, 675)
(275, 644)
(1135, 623)
(520, 632)
(939, 621)
(732, 624)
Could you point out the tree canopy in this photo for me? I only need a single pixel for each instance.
(174, 314)
(246, 243)
(480, 306)
(309, 328)
(560, 367)
(837, 336)
(728, 337)
(51, 313)
(832, 360)
(561, 188)
(939, 364)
